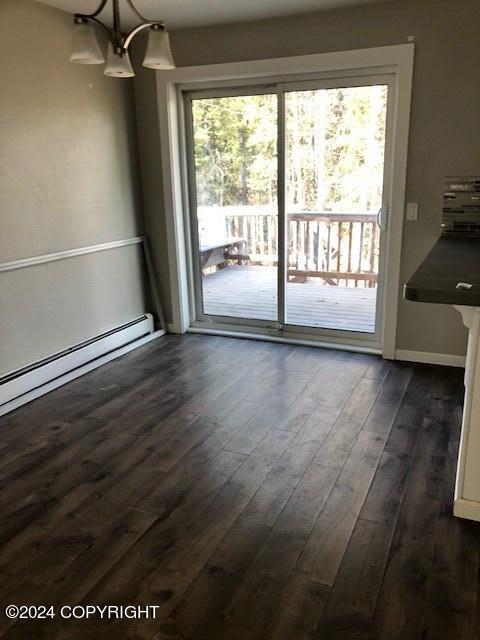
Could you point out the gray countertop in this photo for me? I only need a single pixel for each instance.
(452, 260)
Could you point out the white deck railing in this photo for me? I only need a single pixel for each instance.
(337, 247)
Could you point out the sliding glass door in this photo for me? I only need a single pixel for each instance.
(234, 197)
(335, 155)
(288, 205)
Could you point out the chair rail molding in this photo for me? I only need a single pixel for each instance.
(69, 253)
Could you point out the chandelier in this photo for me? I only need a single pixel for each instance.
(86, 50)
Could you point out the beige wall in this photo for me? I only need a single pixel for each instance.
(151, 171)
(68, 178)
(445, 130)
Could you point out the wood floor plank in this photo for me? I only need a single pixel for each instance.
(269, 501)
(320, 387)
(225, 381)
(319, 423)
(190, 485)
(327, 544)
(402, 601)
(452, 583)
(300, 608)
(389, 399)
(201, 607)
(106, 444)
(88, 567)
(233, 498)
(313, 405)
(82, 396)
(92, 461)
(351, 605)
(196, 462)
(305, 360)
(127, 397)
(187, 475)
(378, 368)
(307, 501)
(349, 610)
(341, 380)
(218, 408)
(388, 487)
(252, 613)
(35, 493)
(185, 541)
(31, 565)
(344, 433)
(275, 405)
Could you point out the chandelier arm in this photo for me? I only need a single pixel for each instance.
(137, 30)
(139, 15)
(108, 31)
(101, 7)
(115, 34)
(117, 28)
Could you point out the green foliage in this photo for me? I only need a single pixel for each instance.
(335, 149)
(235, 150)
(335, 143)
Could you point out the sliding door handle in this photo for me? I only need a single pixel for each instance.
(382, 217)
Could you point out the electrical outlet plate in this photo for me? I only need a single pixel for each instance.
(411, 212)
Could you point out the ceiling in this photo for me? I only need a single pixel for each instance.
(194, 13)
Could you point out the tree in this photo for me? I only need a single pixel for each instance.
(235, 150)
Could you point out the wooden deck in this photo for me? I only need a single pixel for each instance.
(251, 292)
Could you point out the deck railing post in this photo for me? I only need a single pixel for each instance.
(313, 241)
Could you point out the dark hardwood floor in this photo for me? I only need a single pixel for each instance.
(249, 490)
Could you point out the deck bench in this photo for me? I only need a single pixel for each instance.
(216, 255)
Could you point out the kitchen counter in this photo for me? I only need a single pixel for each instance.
(451, 260)
(454, 260)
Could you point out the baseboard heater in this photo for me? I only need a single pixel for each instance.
(30, 382)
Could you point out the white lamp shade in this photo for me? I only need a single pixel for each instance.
(159, 54)
(85, 48)
(118, 66)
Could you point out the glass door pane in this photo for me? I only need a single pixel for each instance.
(235, 199)
(335, 148)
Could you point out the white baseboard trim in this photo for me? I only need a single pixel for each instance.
(424, 357)
(467, 509)
(44, 378)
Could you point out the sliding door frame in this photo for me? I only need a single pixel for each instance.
(346, 81)
(396, 60)
(190, 179)
(280, 323)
